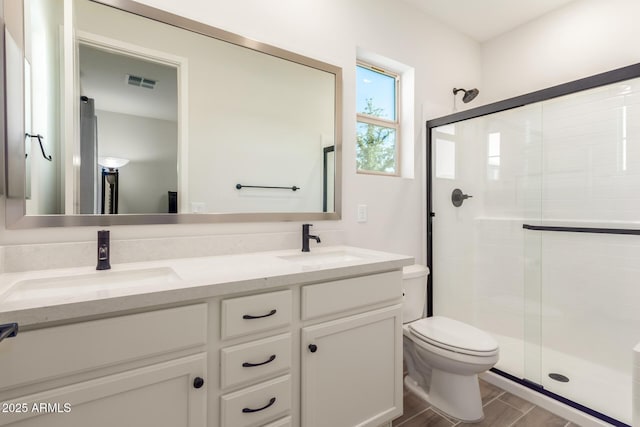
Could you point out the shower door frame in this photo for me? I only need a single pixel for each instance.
(598, 80)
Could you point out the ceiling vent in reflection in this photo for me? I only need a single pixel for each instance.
(141, 81)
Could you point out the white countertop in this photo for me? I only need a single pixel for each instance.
(45, 296)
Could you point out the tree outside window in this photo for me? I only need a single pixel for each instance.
(377, 123)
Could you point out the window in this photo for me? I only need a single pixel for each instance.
(378, 121)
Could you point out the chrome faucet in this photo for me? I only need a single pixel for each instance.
(306, 236)
(103, 250)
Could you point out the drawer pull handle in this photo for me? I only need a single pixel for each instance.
(198, 382)
(8, 330)
(313, 348)
(251, 365)
(271, 313)
(249, 410)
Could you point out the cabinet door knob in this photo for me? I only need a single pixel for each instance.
(313, 348)
(198, 382)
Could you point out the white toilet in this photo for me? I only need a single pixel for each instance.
(443, 356)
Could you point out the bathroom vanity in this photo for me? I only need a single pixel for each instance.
(263, 339)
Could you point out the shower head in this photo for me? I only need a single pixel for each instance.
(469, 95)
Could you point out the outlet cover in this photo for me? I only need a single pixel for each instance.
(197, 207)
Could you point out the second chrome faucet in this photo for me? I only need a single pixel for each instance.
(306, 236)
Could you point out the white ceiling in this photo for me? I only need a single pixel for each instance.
(484, 19)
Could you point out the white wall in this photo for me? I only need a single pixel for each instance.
(584, 38)
(331, 31)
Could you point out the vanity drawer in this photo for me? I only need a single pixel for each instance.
(328, 298)
(255, 313)
(284, 422)
(255, 360)
(58, 351)
(256, 405)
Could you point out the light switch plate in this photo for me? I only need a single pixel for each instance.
(362, 213)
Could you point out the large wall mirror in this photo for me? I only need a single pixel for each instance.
(136, 116)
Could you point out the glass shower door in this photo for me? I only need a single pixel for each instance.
(589, 289)
(478, 247)
(545, 253)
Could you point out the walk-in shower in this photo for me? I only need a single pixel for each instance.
(544, 250)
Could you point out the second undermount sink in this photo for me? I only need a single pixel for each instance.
(101, 282)
(322, 259)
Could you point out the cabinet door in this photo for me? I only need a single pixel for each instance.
(161, 395)
(352, 370)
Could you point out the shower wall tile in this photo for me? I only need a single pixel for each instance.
(498, 287)
(591, 155)
(589, 288)
(517, 188)
(589, 317)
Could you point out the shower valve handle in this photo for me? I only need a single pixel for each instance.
(457, 197)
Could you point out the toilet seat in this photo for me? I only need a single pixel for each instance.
(455, 336)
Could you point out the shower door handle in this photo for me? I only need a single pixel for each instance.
(457, 197)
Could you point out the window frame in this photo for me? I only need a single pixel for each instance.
(378, 121)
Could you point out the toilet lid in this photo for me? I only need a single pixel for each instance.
(454, 335)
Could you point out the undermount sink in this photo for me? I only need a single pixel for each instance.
(99, 282)
(321, 259)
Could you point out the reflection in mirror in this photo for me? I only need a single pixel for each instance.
(28, 116)
(42, 20)
(207, 125)
(128, 111)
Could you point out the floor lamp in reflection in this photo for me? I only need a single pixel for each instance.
(110, 167)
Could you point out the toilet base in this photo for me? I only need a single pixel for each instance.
(457, 396)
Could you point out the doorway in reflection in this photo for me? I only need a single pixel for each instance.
(128, 111)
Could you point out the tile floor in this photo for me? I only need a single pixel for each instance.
(501, 409)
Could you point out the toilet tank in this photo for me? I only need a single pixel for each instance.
(414, 289)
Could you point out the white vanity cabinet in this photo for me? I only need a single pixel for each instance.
(306, 347)
(352, 366)
(110, 372)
